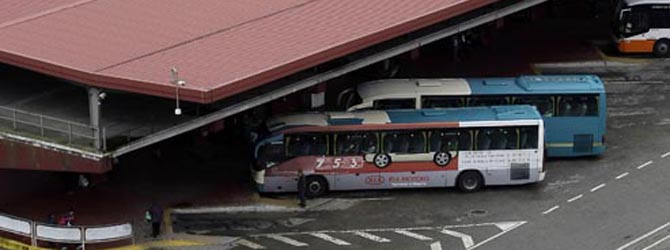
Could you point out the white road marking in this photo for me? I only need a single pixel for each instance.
(436, 246)
(598, 187)
(413, 235)
(371, 237)
(505, 226)
(645, 164)
(329, 238)
(665, 155)
(289, 241)
(656, 243)
(643, 236)
(575, 198)
(622, 175)
(551, 209)
(249, 244)
(467, 239)
(508, 228)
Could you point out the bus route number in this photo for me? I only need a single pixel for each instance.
(353, 162)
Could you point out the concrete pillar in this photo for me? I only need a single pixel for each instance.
(94, 114)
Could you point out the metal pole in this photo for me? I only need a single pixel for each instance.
(83, 238)
(104, 139)
(14, 118)
(69, 135)
(177, 97)
(33, 232)
(41, 125)
(94, 114)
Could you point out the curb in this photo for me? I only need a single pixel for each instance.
(607, 58)
(12, 244)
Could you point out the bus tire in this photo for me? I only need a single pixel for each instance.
(382, 160)
(442, 158)
(315, 186)
(662, 48)
(470, 181)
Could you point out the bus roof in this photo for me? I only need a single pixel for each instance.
(493, 113)
(536, 84)
(643, 2)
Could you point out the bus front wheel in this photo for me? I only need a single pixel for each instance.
(382, 160)
(662, 48)
(470, 181)
(316, 186)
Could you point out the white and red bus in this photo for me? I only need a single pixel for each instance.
(463, 147)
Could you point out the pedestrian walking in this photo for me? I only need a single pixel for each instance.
(66, 219)
(301, 188)
(154, 215)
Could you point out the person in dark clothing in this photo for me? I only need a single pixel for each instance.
(66, 219)
(156, 217)
(301, 188)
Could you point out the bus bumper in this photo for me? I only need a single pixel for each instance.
(636, 46)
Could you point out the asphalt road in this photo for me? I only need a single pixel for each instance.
(620, 200)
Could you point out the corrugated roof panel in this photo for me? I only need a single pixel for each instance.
(221, 48)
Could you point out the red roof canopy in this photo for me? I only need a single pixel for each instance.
(221, 48)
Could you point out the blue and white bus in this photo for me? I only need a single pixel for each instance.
(573, 106)
(463, 147)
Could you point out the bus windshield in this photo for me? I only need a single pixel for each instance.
(633, 23)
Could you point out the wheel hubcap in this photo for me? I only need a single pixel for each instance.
(315, 187)
(470, 183)
(442, 159)
(382, 160)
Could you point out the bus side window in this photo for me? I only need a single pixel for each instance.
(442, 102)
(497, 138)
(355, 143)
(370, 143)
(578, 105)
(544, 104)
(443, 141)
(320, 146)
(404, 142)
(464, 139)
(477, 101)
(528, 138)
(407, 103)
(484, 139)
(511, 138)
(306, 144)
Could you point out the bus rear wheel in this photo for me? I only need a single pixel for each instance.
(316, 186)
(662, 48)
(470, 181)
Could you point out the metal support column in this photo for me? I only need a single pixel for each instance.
(94, 114)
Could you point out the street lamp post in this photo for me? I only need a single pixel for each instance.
(178, 83)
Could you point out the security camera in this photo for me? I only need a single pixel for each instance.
(102, 95)
(181, 82)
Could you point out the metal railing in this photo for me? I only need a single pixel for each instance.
(80, 235)
(51, 128)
